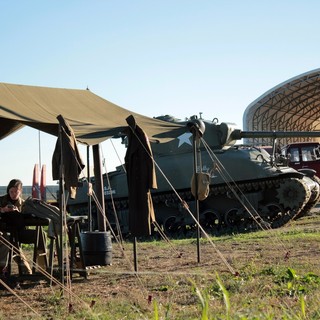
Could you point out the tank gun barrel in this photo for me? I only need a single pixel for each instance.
(238, 134)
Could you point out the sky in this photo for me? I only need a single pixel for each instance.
(177, 57)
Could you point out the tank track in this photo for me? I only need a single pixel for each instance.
(291, 196)
(314, 199)
(289, 199)
(275, 203)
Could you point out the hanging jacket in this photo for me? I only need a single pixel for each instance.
(141, 177)
(66, 152)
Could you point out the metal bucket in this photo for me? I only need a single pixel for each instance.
(96, 248)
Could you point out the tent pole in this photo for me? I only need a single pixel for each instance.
(99, 186)
(89, 195)
(61, 206)
(195, 170)
(197, 128)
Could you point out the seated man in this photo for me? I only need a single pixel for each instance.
(12, 202)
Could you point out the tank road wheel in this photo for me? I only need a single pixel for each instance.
(175, 227)
(171, 226)
(210, 221)
(236, 219)
(293, 194)
(231, 217)
(272, 215)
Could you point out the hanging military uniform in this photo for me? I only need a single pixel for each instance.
(141, 177)
(66, 146)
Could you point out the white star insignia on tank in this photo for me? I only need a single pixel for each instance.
(185, 138)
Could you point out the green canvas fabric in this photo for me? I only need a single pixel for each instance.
(92, 118)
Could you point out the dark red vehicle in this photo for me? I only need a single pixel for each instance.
(303, 155)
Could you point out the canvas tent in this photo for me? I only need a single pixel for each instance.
(92, 118)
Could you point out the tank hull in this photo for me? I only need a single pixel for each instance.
(246, 192)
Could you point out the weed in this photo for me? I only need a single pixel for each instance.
(225, 296)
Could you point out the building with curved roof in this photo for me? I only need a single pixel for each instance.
(293, 105)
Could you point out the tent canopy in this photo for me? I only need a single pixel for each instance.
(92, 118)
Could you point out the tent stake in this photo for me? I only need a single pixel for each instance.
(135, 254)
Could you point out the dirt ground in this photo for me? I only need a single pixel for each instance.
(160, 265)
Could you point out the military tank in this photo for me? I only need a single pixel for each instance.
(247, 187)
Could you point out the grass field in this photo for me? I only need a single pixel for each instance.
(260, 275)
